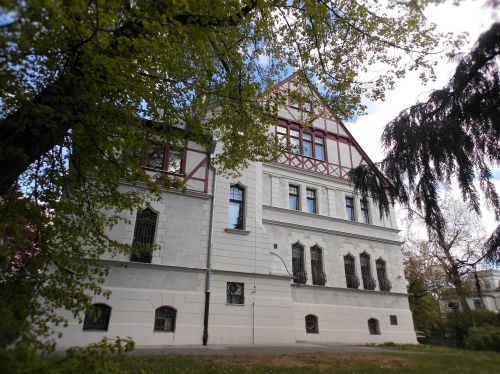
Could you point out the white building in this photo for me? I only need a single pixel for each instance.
(297, 216)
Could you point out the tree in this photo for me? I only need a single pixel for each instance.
(452, 136)
(87, 85)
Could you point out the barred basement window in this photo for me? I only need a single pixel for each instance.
(298, 269)
(394, 319)
(312, 324)
(373, 326)
(352, 281)
(383, 283)
(98, 318)
(235, 293)
(318, 275)
(165, 319)
(144, 236)
(236, 207)
(366, 271)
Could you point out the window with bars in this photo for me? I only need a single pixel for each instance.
(235, 293)
(366, 271)
(294, 197)
(97, 319)
(144, 236)
(365, 214)
(312, 324)
(236, 207)
(352, 281)
(164, 157)
(298, 268)
(394, 319)
(165, 319)
(312, 205)
(310, 144)
(349, 207)
(383, 283)
(373, 326)
(318, 275)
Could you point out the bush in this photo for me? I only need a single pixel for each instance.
(483, 338)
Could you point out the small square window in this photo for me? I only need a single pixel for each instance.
(235, 293)
(394, 319)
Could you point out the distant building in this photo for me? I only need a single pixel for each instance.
(284, 253)
(486, 298)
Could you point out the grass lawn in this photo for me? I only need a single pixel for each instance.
(411, 359)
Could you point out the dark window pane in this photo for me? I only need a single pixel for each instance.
(165, 319)
(236, 206)
(98, 318)
(312, 324)
(349, 205)
(298, 269)
(352, 280)
(144, 236)
(365, 218)
(293, 197)
(235, 293)
(155, 156)
(366, 272)
(318, 275)
(394, 319)
(383, 282)
(373, 326)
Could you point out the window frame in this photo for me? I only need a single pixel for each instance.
(174, 318)
(314, 200)
(393, 319)
(374, 326)
(284, 138)
(317, 270)
(315, 328)
(366, 271)
(299, 263)
(350, 208)
(297, 196)
(232, 297)
(365, 211)
(168, 149)
(135, 242)
(240, 225)
(102, 321)
(384, 284)
(351, 277)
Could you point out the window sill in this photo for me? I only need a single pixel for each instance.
(231, 304)
(237, 231)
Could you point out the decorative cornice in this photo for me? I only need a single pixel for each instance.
(350, 290)
(191, 193)
(252, 274)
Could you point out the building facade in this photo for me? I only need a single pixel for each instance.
(282, 254)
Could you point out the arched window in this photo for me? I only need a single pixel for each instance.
(351, 279)
(298, 269)
(97, 319)
(373, 326)
(144, 235)
(312, 324)
(318, 275)
(366, 271)
(236, 207)
(383, 283)
(165, 319)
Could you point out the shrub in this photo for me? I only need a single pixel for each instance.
(484, 338)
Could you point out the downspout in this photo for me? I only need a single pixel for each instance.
(209, 260)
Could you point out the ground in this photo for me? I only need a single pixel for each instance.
(309, 359)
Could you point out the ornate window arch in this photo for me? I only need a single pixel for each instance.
(98, 318)
(366, 271)
(352, 280)
(298, 265)
(312, 324)
(165, 317)
(384, 284)
(318, 273)
(144, 235)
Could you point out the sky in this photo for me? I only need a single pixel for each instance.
(470, 16)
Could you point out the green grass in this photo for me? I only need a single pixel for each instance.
(412, 359)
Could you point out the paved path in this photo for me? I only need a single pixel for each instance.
(253, 349)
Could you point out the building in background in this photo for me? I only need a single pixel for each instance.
(284, 253)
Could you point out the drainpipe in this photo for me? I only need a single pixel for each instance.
(209, 259)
